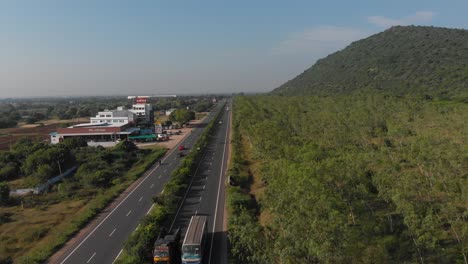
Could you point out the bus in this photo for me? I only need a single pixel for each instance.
(194, 241)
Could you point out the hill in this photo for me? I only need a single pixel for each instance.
(400, 60)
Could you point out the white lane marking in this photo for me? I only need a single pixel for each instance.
(162, 191)
(219, 189)
(199, 199)
(91, 257)
(129, 212)
(118, 255)
(112, 232)
(121, 202)
(160, 176)
(196, 212)
(141, 198)
(151, 208)
(138, 226)
(151, 187)
(204, 187)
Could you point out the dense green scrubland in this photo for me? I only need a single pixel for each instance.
(401, 60)
(349, 179)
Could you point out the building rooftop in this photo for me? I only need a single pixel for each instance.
(97, 125)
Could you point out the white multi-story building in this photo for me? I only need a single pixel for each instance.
(144, 113)
(119, 116)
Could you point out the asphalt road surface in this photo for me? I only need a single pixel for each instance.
(104, 243)
(206, 193)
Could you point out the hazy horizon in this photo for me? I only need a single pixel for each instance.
(88, 48)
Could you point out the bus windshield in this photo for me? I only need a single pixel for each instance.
(161, 253)
(191, 251)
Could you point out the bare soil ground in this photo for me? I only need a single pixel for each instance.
(9, 136)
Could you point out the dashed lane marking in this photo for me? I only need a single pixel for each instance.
(151, 208)
(89, 260)
(118, 255)
(112, 232)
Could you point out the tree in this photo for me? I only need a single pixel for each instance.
(4, 193)
(9, 171)
(182, 116)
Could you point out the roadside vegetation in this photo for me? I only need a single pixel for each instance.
(138, 247)
(348, 179)
(32, 227)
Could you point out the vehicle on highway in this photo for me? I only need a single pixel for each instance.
(167, 249)
(181, 147)
(194, 241)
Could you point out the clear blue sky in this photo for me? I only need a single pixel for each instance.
(89, 47)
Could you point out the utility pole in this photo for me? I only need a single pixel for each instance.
(60, 168)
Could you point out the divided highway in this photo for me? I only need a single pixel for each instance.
(206, 194)
(104, 242)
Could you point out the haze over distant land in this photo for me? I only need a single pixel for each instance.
(86, 48)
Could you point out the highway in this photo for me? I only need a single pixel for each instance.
(206, 193)
(103, 242)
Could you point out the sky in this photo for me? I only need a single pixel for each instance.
(151, 47)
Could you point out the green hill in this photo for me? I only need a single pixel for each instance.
(400, 60)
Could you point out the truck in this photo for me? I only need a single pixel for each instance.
(167, 249)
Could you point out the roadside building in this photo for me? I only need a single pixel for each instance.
(105, 129)
(101, 132)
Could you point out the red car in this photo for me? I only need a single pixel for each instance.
(181, 147)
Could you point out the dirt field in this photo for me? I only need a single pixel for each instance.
(11, 135)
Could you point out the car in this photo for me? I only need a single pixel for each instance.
(181, 147)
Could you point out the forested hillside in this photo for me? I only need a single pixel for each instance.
(348, 179)
(411, 59)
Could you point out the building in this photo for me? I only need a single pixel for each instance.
(143, 110)
(100, 132)
(144, 113)
(106, 127)
(118, 116)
